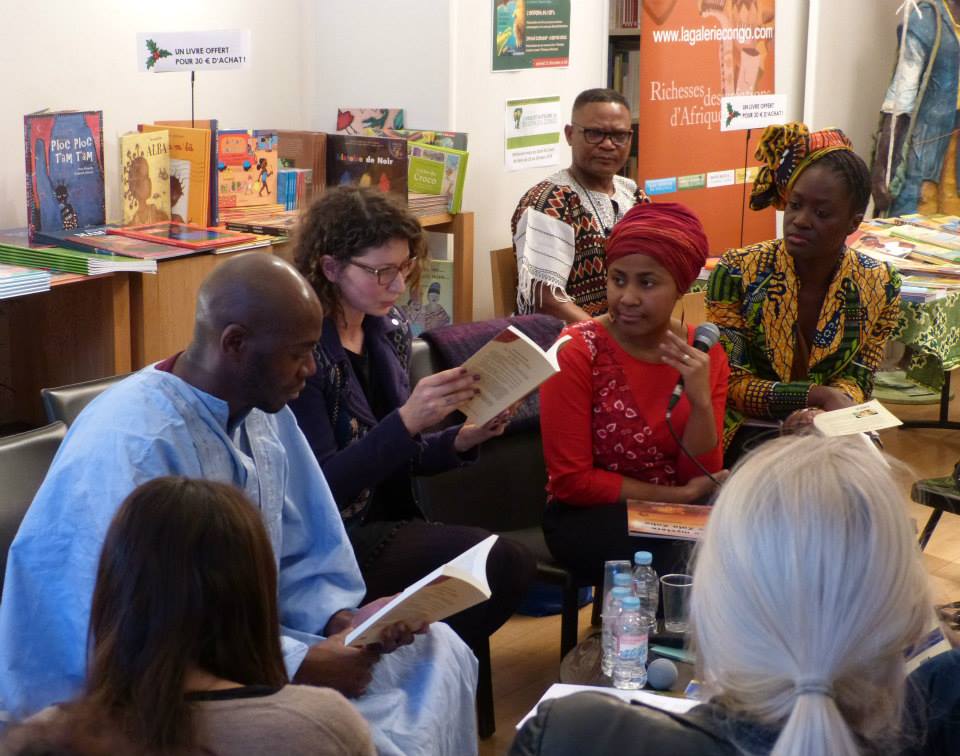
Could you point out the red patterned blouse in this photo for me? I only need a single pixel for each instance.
(602, 418)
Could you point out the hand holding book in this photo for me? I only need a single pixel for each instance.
(435, 397)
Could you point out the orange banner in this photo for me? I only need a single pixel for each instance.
(692, 53)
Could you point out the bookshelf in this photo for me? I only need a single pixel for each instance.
(90, 327)
(162, 306)
(623, 64)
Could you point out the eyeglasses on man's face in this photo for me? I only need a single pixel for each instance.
(387, 274)
(596, 136)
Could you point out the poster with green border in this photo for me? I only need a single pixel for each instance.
(531, 34)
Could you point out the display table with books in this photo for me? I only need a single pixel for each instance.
(163, 306)
(926, 252)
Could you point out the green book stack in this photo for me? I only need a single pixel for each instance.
(73, 261)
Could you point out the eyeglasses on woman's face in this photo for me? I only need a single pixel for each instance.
(387, 274)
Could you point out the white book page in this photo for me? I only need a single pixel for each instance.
(452, 587)
(665, 703)
(860, 418)
(510, 366)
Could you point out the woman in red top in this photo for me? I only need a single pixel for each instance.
(605, 436)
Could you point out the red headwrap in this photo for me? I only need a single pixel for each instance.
(666, 231)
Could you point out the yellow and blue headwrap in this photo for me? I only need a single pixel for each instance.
(786, 151)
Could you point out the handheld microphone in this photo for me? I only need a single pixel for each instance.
(706, 335)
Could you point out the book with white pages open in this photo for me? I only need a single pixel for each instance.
(510, 366)
(451, 588)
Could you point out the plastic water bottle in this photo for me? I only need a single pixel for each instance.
(611, 612)
(646, 587)
(630, 665)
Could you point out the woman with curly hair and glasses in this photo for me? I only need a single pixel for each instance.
(369, 429)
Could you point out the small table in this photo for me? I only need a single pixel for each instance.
(582, 665)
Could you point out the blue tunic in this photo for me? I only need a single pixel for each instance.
(153, 424)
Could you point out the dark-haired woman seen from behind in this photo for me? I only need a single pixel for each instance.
(804, 319)
(185, 634)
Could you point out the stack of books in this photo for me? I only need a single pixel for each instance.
(294, 185)
(427, 204)
(267, 223)
(73, 261)
(924, 249)
(16, 281)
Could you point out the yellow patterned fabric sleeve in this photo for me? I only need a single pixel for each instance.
(752, 296)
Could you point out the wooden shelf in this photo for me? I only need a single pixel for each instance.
(95, 326)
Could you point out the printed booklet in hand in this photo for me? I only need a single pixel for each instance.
(654, 519)
(510, 366)
(451, 588)
(860, 418)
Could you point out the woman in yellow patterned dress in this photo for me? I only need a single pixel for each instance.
(803, 319)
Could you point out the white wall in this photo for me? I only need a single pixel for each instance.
(370, 53)
(441, 73)
(479, 98)
(850, 59)
(790, 53)
(81, 54)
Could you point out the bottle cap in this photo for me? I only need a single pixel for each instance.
(631, 603)
(620, 592)
(623, 578)
(643, 557)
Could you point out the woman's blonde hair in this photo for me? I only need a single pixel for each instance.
(807, 589)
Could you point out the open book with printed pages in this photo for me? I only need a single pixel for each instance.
(654, 519)
(510, 366)
(451, 588)
(860, 418)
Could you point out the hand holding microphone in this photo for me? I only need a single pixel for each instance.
(693, 364)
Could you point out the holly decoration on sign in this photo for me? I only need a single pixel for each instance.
(731, 113)
(155, 53)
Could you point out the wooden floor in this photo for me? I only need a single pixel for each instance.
(526, 652)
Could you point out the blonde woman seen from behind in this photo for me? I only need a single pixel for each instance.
(807, 589)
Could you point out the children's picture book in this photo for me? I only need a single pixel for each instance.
(653, 519)
(456, 140)
(355, 120)
(437, 170)
(183, 235)
(96, 239)
(189, 172)
(860, 418)
(210, 126)
(247, 168)
(145, 177)
(64, 170)
(429, 304)
(451, 588)
(368, 161)
(510, 366)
